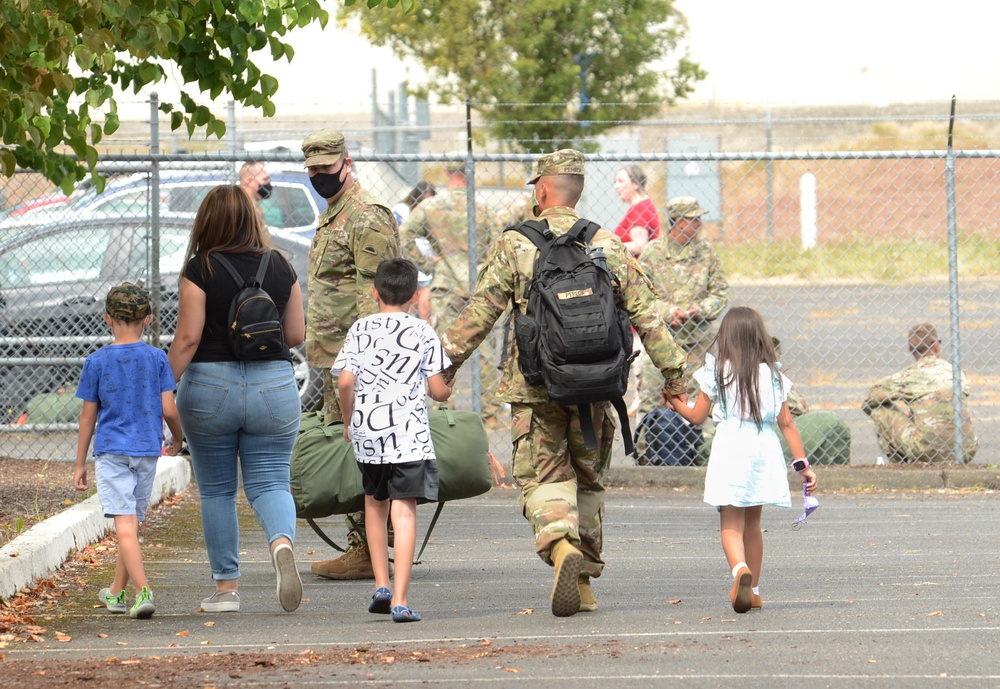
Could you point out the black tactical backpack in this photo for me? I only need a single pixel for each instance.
(254, 324)
(574, 339)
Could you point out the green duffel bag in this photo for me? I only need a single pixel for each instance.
(325, 476)
(825, 437)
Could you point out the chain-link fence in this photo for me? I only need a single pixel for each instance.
(841, 251)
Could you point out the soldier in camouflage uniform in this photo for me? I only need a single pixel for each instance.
(443, 220)
(353, 235)
(562, 491)
(692, 288)
(912, 410)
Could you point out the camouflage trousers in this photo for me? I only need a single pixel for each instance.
(649, 380)
(561, 481)
(333, 412)
(904, 441)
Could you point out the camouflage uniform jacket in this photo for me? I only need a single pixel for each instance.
(505, 279)
(443, 220)
(355, 233)
(686, 275)
(923, 390)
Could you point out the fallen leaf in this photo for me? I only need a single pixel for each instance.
(102, 636)
(210, 624)
(486, 642)
(63, 638)
(205, 643)
(389, 659)
(512, 669)
(526, 611)
(674, 601)
(184, 633)
(122, 643)
(872, 660)
(935, 613)
(40, 673)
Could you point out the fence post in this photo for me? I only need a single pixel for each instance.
(154, 216)
(470, 206)
(807, 210)
(956, 348)
(769, 169)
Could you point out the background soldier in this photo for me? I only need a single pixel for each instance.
(443, 221)
(912, 410)
(692, 287)
(562, 492)
(354, 234)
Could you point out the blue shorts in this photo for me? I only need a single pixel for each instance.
(124, 484)
(400, 480)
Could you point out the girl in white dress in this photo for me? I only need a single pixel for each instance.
(746, 470)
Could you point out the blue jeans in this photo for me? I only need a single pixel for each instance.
(250, 411)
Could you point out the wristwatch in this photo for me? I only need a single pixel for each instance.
(800, 465)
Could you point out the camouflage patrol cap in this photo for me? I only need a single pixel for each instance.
(563, 162)
(324, 147)
(127, 302)
(684, 207)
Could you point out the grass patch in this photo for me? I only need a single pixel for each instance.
(879, 261)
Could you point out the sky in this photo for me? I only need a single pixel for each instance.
(756, 52)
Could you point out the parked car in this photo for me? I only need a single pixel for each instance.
(53, 280)
(292, 206)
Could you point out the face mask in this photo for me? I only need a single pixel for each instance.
(328, 185)
(264, 191)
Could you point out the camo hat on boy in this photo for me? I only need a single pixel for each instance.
(127, 302)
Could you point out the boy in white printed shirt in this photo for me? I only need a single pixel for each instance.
(387, 366)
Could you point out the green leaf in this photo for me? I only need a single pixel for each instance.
(8, 162)
(176, 120)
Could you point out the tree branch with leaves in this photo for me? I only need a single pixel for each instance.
(544, 73)
(62, 62)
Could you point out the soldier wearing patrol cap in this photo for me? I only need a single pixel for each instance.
(561, 481)
(693, 291)
(353, 235)
(912, 410)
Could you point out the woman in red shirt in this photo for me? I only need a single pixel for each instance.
(641, 223)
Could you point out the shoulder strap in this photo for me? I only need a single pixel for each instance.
(229, 267)
(584, 230)
(262, 270)
(536, 230)
(258, 279)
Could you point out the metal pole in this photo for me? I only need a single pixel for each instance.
(470, 206)
(769, 168)
(154, 219)
(956, 349)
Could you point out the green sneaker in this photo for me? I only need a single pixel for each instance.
(144, 607)
(115, 602)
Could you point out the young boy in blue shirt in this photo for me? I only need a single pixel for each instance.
(388, 365)
(127, 392)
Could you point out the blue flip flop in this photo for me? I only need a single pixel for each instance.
(401, 613)
(381, 601)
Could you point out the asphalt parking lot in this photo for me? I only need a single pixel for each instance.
(878, 589)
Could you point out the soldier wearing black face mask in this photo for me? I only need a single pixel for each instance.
(256, 182)
(354, 234)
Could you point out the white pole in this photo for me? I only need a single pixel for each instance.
(807, 214)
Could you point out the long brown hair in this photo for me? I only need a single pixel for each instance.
(743, 345)
(227, 222)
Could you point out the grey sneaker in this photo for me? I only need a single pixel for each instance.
(114, 602)
(289, 586)
(144, 607)
(222, 601)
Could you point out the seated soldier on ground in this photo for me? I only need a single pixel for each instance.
(912, 410)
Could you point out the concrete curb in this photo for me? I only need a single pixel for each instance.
(45, 546)
(831, 478)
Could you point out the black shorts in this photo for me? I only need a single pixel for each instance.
(388, 481)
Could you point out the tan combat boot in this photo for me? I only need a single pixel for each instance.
(588, 601)
(356, 563)
(565, 596)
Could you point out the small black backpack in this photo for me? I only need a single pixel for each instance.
(254, 324)
(573, 338)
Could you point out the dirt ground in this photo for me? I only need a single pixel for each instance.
(32, 490)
